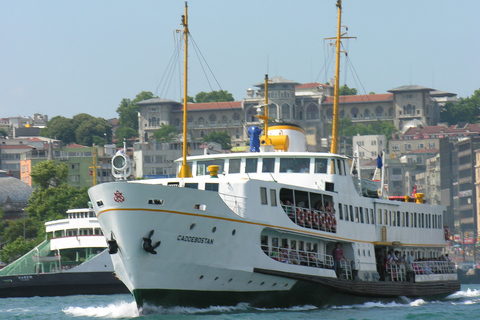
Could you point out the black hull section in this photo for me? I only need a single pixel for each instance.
(470, 278)
(316, 291)
(60, 284)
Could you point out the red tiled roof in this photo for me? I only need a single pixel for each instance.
(440, 130)
(210, 106)
(365, 98)
(311, 85)
(74, 145)
(35, 139)
(16, 147)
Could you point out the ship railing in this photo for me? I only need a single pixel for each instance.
(311, 218)
(345, 271)
(433, 267)
(301, 257)
(396, 272)
(236, 203)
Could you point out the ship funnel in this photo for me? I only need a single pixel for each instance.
(287, 137)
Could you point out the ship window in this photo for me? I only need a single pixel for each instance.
(191, 185)
(264, 243)
(72, 232)
(172, 184)
(198, 206)
(379, 216)
(346, 213)
(211, 187)
(372, 218)
(415, 219)
(367, 220)
(340, 211)
(202, 166)
(59, 233)
(99, 203)
(385, 217)
(274, 247)
(406, 219)
(98, 232)
(268, 164)
(341, 168)
(398, 218)
(155, 201)
(251, 165)
(263, 195)
(392, 218)
(351, 214)
(320, 165)
(361, 215)
(234, 166)
(273, 197)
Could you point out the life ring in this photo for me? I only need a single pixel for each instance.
(322, 219)
(308, 217)
(329, 222)
(316, 219)
(300, 216)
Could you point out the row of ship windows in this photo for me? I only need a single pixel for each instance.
(268, 165)
(390, 218)
(75, 232)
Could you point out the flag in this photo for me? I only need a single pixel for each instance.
(379, 162)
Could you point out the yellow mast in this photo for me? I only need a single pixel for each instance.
(333, 147)
(94, 166)
(338, 41)
(185, 171)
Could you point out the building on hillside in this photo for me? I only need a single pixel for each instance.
(428, 137)
(465, 195)
(10, 154)
(308, 105)
(79, 160)
(369, 146)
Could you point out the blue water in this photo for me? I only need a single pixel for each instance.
(464, 304)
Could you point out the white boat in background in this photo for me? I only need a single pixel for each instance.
(260, 227)
(72, 260)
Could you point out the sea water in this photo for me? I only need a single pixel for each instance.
(464, 304)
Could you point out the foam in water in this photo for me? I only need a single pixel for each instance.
(115, 310)
(465, 294)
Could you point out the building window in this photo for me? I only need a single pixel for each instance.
(285, 111)
(213, 119)
(354, 112)
(379, 111)
(201, 122)
(367, 113)
(236, 118)
(312, 112)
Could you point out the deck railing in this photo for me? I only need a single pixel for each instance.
(433, 267)
(311, 218)
(301, 257)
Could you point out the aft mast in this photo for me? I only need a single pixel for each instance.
(185, 171)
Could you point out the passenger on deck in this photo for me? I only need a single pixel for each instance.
(337, 254)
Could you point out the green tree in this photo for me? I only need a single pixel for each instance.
(128, 117)
(213, 96)
(50, 204)
(3, 133)
(48, 174)
(466, 110)
(60, 128)
(346, 91)
(222, 138)
(14, 250)
(165, 132)
(91, 129)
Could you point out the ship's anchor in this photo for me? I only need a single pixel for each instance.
(147, 244)
(112, 244)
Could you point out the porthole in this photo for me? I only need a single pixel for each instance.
(216, 278)
(263, 282)
(230, 280)
(273, 285)
(286, 285)
(192, 226)
(214, 229)
(201, 277)
(233, 232)
(250, 281)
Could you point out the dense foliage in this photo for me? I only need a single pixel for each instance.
(48, 202)
(212, 96)
(466, 110)
(83, 129)
(221, 137)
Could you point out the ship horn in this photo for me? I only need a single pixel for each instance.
(147, 244)
(112, 244)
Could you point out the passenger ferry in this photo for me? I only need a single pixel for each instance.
(72, 260)
(260, 227)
